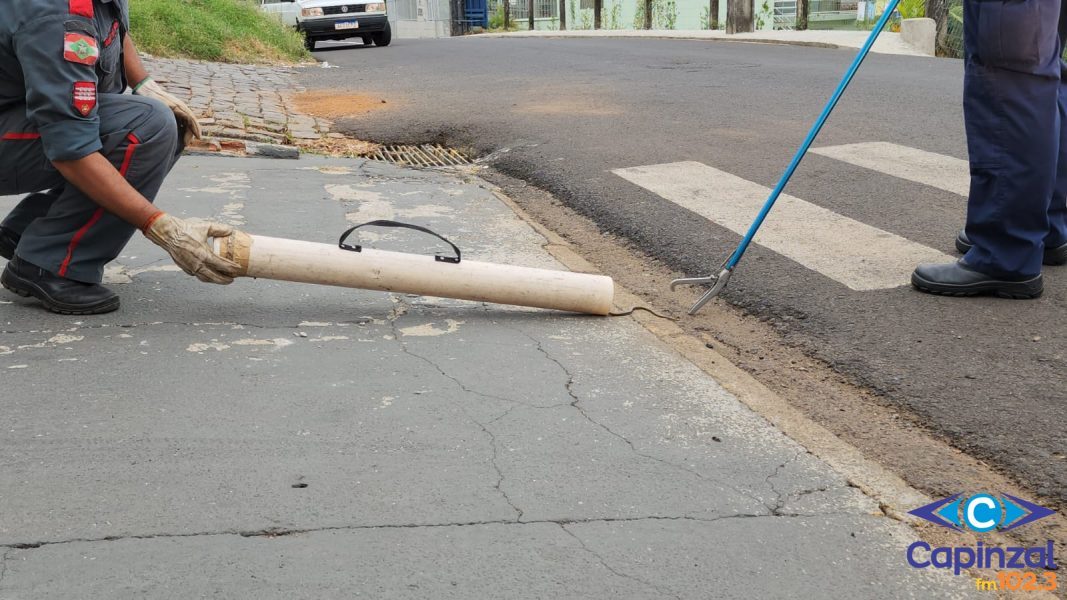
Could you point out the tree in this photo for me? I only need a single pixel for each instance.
(739, 17)
(938, 11)
(803, 7)
(648, 14)
(507, 14)
(531, 7)
(713, 15)
(598, 9)
(459, 27)
(563, 15)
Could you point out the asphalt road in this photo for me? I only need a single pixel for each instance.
(562, 114)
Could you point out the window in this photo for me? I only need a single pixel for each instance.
(546, 9)
(520, 9)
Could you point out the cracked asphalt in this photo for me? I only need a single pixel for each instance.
(275, 440)
(563, 114)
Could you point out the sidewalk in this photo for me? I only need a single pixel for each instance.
(240, 102)
(271, 440)
(888, 42)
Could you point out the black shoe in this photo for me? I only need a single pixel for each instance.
(9, 240)
(956, 279)
(59, 295)
(1054, 257)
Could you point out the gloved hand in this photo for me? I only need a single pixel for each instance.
(150, 89)
(186, 242)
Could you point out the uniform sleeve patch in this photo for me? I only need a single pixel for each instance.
(84, 97)
(112, 35)
(82, 8)
(80, 48)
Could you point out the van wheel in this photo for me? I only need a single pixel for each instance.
(366, 39)
(383, 37)
(309, 43)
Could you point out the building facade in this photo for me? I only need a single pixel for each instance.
(676, 14)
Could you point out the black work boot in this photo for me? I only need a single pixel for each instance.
(958, 279)
(1054, 257)
(59, 295)
(9, 240)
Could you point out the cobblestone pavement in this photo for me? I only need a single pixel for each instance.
(243, 102)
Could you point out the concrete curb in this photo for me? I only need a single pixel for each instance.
(895, 497)
(806, 44)
(888, 43)
(892, 493)
(235, 147)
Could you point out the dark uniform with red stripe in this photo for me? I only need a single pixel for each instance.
(61, 98)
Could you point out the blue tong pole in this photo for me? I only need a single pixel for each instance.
(718, 282)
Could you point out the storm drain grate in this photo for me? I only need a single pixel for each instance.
(426, 155)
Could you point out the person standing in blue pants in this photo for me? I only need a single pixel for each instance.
(1015, 108)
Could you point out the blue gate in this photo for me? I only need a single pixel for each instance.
(476, 13)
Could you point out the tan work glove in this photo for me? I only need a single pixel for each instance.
(187, 244)
(150, 89)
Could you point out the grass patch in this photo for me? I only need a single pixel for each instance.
(233, 31)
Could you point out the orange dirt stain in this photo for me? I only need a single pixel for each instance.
(333, 105)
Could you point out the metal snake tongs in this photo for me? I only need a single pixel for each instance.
(718, 282)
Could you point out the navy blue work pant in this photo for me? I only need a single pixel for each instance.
(1015, 107)
(63, 231)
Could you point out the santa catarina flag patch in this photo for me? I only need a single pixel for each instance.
(80, 48)
(84, 97)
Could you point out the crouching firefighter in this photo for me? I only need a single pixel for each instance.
(91, 157)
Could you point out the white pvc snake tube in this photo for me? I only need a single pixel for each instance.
(325, 264)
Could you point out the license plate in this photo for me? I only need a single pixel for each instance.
(346, 25)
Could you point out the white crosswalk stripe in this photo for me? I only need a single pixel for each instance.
(850, 252)
(935, 170)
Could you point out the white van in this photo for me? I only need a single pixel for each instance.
(334, 19)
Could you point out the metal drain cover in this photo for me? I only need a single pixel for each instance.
(426, 155)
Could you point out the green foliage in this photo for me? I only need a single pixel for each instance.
(615, 16)
(666, 13)
(912, 9)
(587, 19)
(217, 30)
(761, 17)
(705, 19)
(496, 20)
(639, 15)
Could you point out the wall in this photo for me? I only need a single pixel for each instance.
(667, 14)
(419, 18)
